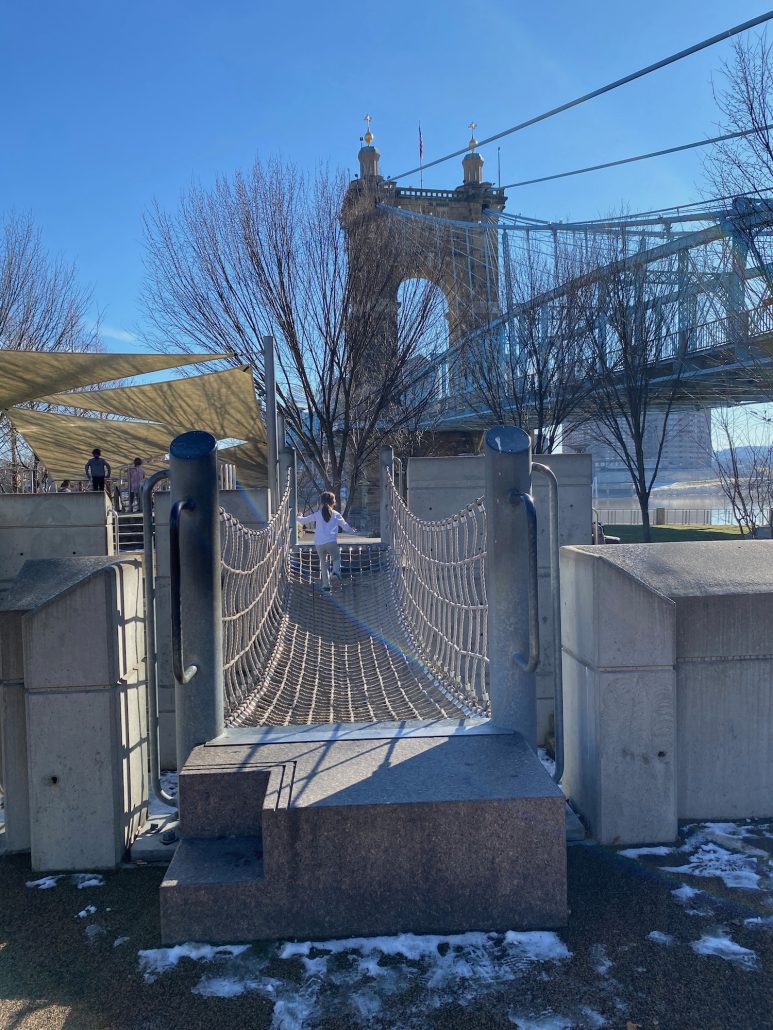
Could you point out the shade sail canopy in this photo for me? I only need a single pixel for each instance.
(64, 442)
(251, 463)
(29, 375)
(223, 403)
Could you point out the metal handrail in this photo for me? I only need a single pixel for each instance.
(555, 589)
(182, 674)
(150, 634)
(530, 664)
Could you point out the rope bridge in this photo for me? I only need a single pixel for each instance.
(403, 636)
(438, 576)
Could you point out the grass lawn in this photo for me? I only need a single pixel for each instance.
(663, 534)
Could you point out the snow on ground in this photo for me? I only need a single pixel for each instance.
(724, 850)
(80, 880)
(546, 760)
(723, 946)
(156, 806)
(89, 910)
(660, 938)
(355, 979)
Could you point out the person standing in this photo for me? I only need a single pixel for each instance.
(97, 470)
(327, 521)
(136, 479)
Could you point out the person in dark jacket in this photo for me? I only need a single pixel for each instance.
(97, 470)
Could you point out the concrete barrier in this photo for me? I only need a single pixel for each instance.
(52, 526)
(438, 487)
(668, 685)
(73, 711)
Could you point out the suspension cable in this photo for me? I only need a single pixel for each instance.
(696, 48)
(639, 157)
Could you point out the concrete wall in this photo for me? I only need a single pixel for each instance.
(73, 711)
(250, 507)
(668, 685)
(438, 487)
(51, 526)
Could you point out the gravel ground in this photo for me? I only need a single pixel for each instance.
(630, 956)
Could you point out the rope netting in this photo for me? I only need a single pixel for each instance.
(438, 577)
(254, 578)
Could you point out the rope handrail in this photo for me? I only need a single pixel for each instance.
(254, 575)
(439, 582)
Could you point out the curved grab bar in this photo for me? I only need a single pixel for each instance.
(148, 534)
(182, 674)
(530, 664)
(555, 589)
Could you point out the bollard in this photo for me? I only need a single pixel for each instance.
(194, 555)
(511, 582)
(386, 461)
(288, 466)
(269, 379)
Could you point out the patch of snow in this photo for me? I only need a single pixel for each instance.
(592, 1018)
(546, 760)
(660, 938)
(84, 880)
(685, 892)
(723, 947)
(156, 806)
(726, 829)
(601, 961)
(234, 986)
(293, 1012)
(545, 1021)
(45, 883)
(119, 941)
(155, 961)
(711, 860)
(89, 910)
(538, 945)
(657, 849)
(759, 921)
(94, 930)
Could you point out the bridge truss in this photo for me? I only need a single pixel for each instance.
(708, 269)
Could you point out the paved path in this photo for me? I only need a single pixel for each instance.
(344, 656)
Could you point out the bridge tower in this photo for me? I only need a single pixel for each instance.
(462, 262)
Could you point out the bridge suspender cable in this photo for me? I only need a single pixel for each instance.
(719, 38)
(640, 157)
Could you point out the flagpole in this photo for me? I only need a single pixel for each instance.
(421, 159)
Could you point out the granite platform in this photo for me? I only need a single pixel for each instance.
(360, 834)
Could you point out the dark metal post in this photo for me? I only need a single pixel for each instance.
(510, 578)
(197, 630)
(386, 462)
(269, 379)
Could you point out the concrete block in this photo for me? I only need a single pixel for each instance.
(13, 765)
(440, 835)
(657, 634)
(725, 732)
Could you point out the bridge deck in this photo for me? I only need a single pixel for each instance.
(344, 657)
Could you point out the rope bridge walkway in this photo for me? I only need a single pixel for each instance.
(402, 636)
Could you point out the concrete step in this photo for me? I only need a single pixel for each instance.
(365, 836)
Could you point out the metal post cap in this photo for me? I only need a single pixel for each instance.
(196, 444)
(507, 439)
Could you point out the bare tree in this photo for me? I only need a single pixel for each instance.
(744, 465)
(526, 370)
(42, 308)
(632, 357)
(277, 253)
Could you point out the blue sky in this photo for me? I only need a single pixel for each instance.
(109, 105)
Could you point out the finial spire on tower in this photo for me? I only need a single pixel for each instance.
(368, 137)
(473, 142)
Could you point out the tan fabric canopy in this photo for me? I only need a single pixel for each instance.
(29, 375)
(223, 403)
(64, 442)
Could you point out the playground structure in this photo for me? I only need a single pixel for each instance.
(643, 723)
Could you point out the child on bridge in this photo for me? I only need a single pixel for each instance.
(327, 521)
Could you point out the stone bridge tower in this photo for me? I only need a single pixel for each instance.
(461, 258)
